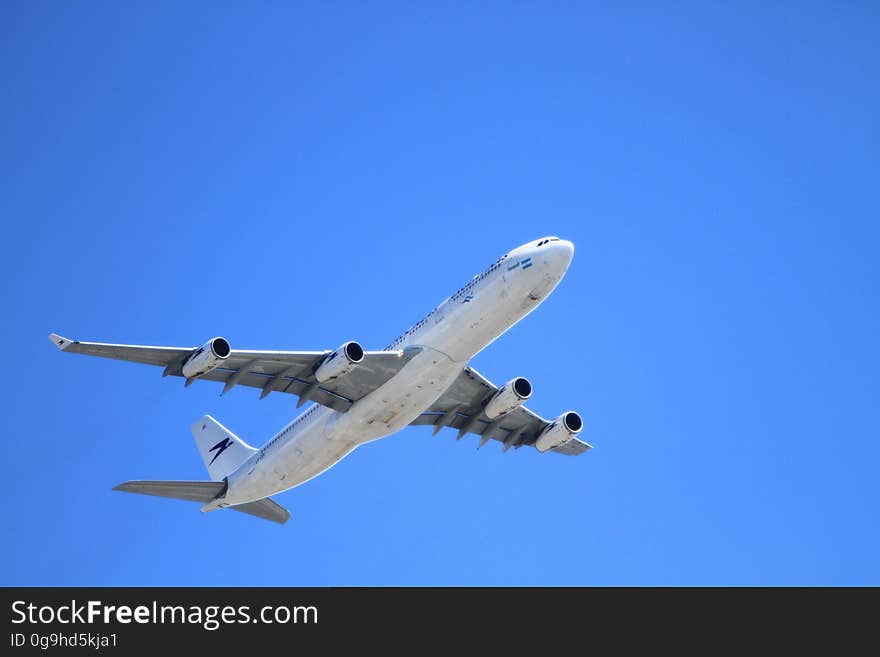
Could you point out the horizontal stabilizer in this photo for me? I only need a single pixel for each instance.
(206, 491)
(195, 491)
(266, 509)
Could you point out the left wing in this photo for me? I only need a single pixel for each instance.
(292, 372)
(461, 407)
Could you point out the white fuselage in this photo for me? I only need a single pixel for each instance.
(449, 336)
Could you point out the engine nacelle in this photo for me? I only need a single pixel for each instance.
(563, 429)
(512, 394)
(206, 358)
(339, 362)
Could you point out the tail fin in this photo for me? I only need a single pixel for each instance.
(221, 450)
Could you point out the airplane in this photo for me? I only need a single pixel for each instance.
(421, 378)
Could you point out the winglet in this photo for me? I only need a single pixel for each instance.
(61, 342)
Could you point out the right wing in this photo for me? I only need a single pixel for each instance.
(292, 372)
(461, 407)
(194, 491)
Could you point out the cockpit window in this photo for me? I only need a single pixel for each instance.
(547, 240)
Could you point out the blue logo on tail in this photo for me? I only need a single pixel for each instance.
(221, 447)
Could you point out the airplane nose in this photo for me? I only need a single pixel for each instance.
(563, 252)
(553, 259)
(566, 247)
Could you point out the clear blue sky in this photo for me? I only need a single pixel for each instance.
(296, 175)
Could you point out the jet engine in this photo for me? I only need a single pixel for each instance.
(339, 362)
(560, 431)
(512, 394)
(206, 358)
